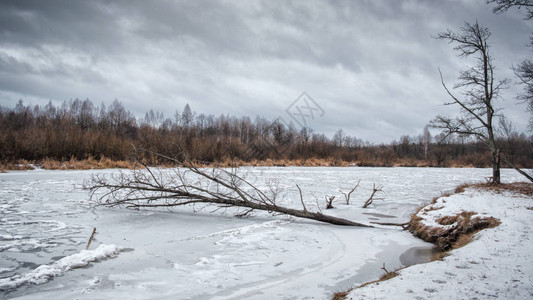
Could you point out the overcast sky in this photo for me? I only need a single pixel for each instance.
(371, 66)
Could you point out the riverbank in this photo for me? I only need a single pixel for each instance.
(492, 263)
(107, 163)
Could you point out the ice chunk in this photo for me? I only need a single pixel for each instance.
(45, 273)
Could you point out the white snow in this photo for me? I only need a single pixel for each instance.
(44, 273)
(45, 217)
(497, 264)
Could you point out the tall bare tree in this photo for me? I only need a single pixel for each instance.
(478, 91)
(524, 71)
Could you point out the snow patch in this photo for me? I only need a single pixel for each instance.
(45, 273)
(4, 270)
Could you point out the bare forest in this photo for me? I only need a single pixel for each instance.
(80, 130)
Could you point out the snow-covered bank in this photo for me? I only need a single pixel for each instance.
(496, 264)
(44, 273)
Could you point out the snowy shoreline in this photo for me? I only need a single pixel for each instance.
(497, 263)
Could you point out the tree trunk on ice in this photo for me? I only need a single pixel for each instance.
(212, 187)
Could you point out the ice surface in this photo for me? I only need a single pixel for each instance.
(45, 217)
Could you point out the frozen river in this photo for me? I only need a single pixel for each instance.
(46, 219)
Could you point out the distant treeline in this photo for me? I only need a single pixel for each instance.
(80, 130)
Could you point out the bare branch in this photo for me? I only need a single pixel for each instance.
(374, 191)
(504, 5)
(347, 196)
(463, 105)
(384, 269)
(403, 225)
(301, 198)
(90, 239)
(329, 202)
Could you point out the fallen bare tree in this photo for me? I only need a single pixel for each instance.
(191, 185)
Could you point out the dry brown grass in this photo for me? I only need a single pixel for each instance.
(312, 162)
(449, 220)
(446, 238)
(106, 163)
(456, 164)
(466, 224)
(103, 163)
(88, 164)
(461, 188)
(406, 162)
(464, 239)
(439, 255)
(51, 164)
(388, 276)
(428, 207)
(17, 165)
(71, 164)
(524, 188)
(431, 208)
(340, 295)
(384, 277)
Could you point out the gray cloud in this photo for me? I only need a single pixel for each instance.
(372, 65)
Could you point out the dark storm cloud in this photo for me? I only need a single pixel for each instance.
(372, 65)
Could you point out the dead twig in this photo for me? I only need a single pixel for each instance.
(403, 225)
(329, 202)
(374, 191)
(384, 269)
(301, 198)
(347, 195)
(91, 239)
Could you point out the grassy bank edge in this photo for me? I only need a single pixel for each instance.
(107, 163)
